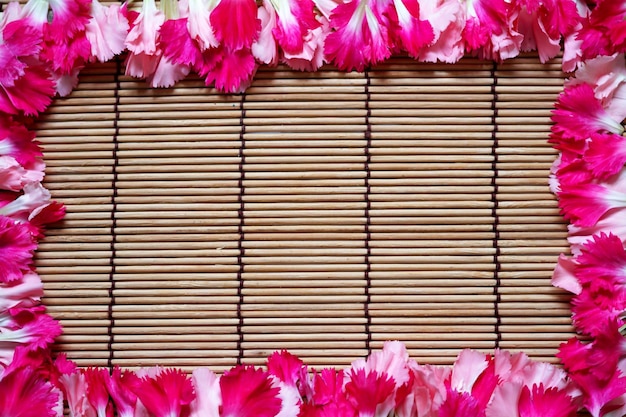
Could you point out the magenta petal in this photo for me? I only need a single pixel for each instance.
(178, 44)
(235, 23)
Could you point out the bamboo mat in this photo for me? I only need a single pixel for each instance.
(319, 212)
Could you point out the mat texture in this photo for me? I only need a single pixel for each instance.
(319, 212)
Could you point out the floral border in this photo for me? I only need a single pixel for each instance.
(44, 45)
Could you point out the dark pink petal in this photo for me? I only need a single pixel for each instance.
(43, 216)
(168, 394)
(229, 71)
(603, 257)
(409, 32)
(606, 351)
(485, 384)
(370, 392)
(600, 397)
(19, 142)
(579, 114)
(64, 56)
(97, 393)
(360, 38)
(585, 204)
(30, 94)
(249, 392)
(235, 23)
(69, 17)
(560, 16)
(459, 404)
(16, 250)
(119, 387)
(25, 393)
(593, 311)
(294, 19)
(605, 155)
(21, 39)
(286, 367)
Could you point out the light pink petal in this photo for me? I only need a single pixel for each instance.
(106, 31)
(564, 277)
(208, 396)
(26, 292)
(447, 19)
(166, 73)
(75, 388)
(505, 401)
(265, 48)
(142, 37)
(12, 174)
(199, 23)
(467, 368)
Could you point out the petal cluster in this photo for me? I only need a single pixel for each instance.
(589, 181)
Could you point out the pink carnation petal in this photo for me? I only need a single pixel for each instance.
(579, 114)
(178, 45)
(18, 142)
(586, 203)
(166, 394)
(235, 23)
(30, 94)
(564, 275)
(106, 31)
(208, 396)
(605, 155)
(119, 388)
(231, 71)
(542, 402)
(602, 258)
(265, 48)
(360, 38)
(25, 389)
(199, 24)
(371, 393)
(249, 392)
(16, 250)
(411, 32)
(447, 19)
(460, 404)
(97, 394)
(26, 292)
(295, 18)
